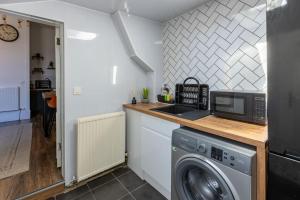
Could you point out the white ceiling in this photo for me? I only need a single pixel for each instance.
(17, 1)
(159, 10)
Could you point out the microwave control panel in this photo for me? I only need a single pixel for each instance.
(260, 109)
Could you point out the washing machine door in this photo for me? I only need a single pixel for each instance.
(200, 179)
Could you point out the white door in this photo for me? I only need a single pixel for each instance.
(156, 157)
(59, 99)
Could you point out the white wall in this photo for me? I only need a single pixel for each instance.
(42, 41)
(144, 40)
(222, 43)
(90, 65)
(14, 69)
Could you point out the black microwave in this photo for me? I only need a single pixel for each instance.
(243, 106)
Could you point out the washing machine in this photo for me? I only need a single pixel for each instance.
(206, 167)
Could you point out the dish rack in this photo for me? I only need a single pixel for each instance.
(195, 95)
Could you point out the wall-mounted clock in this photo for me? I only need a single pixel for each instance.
(8, 33)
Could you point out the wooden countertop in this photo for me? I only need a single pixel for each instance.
(247, 133)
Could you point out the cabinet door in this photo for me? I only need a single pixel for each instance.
(133, 141)
(156, 157)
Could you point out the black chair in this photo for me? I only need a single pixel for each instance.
(50, 116)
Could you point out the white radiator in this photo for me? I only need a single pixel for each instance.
(9, 99)
(100, 144)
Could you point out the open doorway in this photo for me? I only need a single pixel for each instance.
(30, 105)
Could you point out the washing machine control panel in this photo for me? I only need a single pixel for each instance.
(227, 156)
(217, 154)
(230, 158)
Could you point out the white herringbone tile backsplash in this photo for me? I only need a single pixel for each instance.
(222, 43)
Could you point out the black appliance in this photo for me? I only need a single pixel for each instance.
(243, 106)
(283, 42)
(43, 84)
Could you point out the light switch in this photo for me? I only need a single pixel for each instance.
(77, 90)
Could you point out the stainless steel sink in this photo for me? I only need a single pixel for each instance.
(185, 112)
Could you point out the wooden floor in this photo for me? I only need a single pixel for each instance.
(43, 171)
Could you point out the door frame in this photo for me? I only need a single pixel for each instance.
(60, 81)
(60, 98)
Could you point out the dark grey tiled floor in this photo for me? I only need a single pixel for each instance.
(122, 184)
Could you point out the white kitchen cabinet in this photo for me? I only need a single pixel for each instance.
(156, 152)
(133, 141)
(149, 149)
(156, 160)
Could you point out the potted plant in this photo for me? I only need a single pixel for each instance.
(145, 95)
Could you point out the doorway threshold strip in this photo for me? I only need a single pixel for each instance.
(41, 191)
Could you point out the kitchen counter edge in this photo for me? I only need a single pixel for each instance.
(252, 134)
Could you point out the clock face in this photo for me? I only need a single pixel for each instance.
(8, 33)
